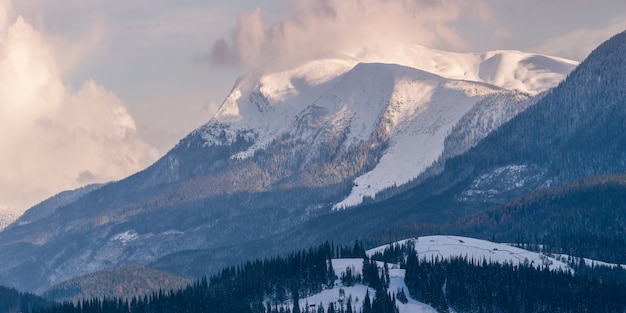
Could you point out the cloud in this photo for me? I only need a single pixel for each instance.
(576, 45)
(54, 137)
(502, 33)
(338, 27)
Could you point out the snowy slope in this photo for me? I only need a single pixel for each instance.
(431, 247)
(454, 246)
(419, 116)
(8, 215)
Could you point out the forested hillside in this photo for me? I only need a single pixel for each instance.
(123, 282)
(585, 218)
(462, 285)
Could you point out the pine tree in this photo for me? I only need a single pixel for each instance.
(331, 307)
(306, 306)
(331, 276)
(367, 304)
(401, 296)
(387, 280)
(296, 301)
(320, 308)
(349, 305)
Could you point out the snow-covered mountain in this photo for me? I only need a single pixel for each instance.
(8, 215)
(405, 110)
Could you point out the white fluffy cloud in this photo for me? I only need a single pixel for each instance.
(355, 27)
(54, 137)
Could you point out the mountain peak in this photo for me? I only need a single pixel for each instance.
(263, 103)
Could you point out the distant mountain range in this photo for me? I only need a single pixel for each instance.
(426, 137)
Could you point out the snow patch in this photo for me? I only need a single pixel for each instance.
(125, 237)
(173, 232)
(503, 179)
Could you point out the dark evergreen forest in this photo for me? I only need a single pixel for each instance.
(460, 285)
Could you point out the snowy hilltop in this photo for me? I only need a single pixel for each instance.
(345, 292)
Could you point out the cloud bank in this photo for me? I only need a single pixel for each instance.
(338, 27)
(54, 137)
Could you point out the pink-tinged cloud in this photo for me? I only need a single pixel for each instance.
(52, 136)
(338, 27)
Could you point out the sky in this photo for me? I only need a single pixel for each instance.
(95, 90)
